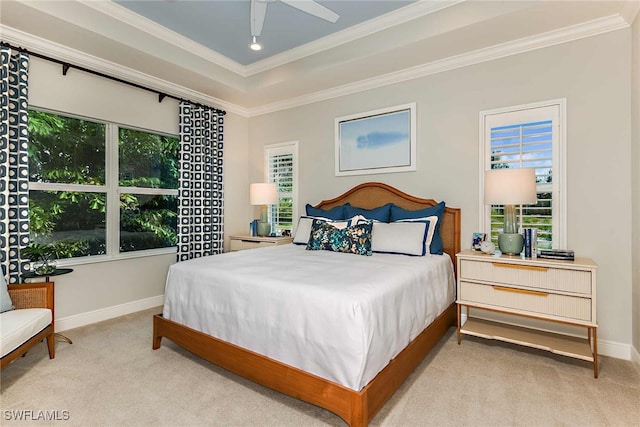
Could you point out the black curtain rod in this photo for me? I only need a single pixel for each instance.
(66, 66)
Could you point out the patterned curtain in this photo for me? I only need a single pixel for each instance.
(200, 201)
(14, 164)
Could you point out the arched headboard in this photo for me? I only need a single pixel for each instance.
(373, 194)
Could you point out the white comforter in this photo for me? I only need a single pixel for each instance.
(340, 316)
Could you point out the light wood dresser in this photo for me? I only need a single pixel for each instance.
(240, 243)
(551, 290)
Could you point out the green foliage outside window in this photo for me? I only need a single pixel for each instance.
(64, 150)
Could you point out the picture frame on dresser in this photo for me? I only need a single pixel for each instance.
(477, 240)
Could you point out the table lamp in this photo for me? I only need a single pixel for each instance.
(263, 194)
(510, 187)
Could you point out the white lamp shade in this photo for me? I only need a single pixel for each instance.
(263, 193)
(510, 186)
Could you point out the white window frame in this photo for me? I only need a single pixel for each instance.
(528, 113)
(112, 191)
(289, 147)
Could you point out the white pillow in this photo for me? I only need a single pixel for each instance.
(407, 238)
(431, 221)
(359, 219)
(303, 230)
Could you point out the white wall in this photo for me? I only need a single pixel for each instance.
(98, 290)
(635, 185)
(592, 74)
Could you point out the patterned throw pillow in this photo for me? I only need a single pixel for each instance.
(355, 239)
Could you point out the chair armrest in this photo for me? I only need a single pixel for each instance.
(32, 295)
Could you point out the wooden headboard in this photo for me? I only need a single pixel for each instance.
(373, 194)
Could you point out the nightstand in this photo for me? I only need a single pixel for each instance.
(30, 275)
(240, 243)
(550, 290)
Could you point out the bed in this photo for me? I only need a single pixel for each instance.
(355, 395)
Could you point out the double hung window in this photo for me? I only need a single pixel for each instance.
(281, 168)
(528, 136)
(96, 188)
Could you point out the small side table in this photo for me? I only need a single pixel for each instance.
(57, 272)
(241, 243)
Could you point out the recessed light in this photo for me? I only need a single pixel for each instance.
(254, 45)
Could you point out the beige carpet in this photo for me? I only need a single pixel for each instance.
(110, 376)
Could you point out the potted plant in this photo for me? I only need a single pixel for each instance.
(42, 257)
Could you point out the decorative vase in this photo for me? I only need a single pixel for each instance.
(264, 228)
(510, 243)
(42, 268)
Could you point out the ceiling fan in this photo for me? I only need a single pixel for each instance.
(259, 11)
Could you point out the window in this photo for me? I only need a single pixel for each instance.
(99, 189)
(530, 136)
(281, 168)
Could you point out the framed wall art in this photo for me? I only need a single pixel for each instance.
(379, 141)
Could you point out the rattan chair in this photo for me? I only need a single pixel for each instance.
(32, 295)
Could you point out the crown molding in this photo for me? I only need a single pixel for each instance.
(568, 34)
(630, 11)
(539, 41)
(130, 18)
(391, 19)
(381, 23)
(75, 57)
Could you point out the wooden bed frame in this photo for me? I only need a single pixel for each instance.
(357, 408)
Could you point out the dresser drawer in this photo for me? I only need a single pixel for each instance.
(546, 278)
(240, 245)
(535, 303)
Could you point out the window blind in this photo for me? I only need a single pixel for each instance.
(280, 166)
(527, 138)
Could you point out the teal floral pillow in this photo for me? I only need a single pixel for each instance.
(355, 239)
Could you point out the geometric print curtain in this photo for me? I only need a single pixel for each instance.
(14, 165)
(200, 192)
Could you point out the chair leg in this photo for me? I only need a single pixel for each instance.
(51, 346)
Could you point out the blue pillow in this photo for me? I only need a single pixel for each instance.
(382, 214)
(337, 213)
(398, 213)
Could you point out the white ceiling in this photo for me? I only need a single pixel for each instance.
(422, 38)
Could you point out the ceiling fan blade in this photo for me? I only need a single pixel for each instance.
(313, 8)
(258, 13)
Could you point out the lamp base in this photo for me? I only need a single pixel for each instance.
(264, 229)
(510, 243)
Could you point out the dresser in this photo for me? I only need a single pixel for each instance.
(240, 243)
(549, 290)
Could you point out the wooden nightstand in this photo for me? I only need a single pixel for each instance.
(240, 243)
(555, 291)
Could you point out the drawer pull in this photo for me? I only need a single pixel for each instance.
(522, 267)
(520, 291)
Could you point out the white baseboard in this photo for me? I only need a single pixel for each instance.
(107, 313)
(605, 348)
(635, 356)
(615, 349)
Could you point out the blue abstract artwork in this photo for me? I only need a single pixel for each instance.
(376, 142)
